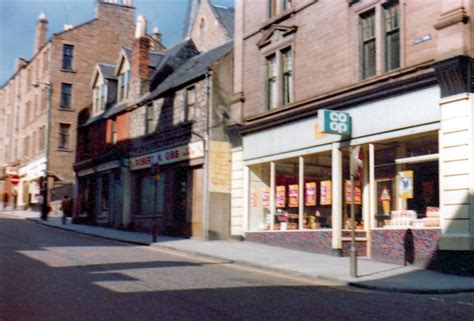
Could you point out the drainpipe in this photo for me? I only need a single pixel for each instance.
(205, 225)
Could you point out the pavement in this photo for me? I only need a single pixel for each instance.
(371, 274)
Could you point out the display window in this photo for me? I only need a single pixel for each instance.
(407, 183)
(259, 207)
(291, 194)
(346, 196)
(317, 191)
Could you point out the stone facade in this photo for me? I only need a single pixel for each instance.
(26, 105)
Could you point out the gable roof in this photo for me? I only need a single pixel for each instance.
(225, 17)
(192, 69)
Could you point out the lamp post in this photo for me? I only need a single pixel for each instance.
(45, 185)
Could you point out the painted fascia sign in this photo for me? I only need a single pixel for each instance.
(334, 122)
(172, 155)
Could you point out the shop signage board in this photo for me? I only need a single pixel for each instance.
(293, 195)
(168, 156)
(326, 193)
(310, 196)
(334, 122)
(406, 184)
(280, 196)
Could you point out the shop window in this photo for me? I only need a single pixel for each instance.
(259, 207)
(407, 183)
(287, 191)
(348, 198)
(150, 191)
(317, 191)
(105, 191)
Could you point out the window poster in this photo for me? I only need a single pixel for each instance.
(357, 193)
(406, 184)
(310, 196)
(266, 197)
(254, 198)
(280, 196)
(293, 195)
(326, 193)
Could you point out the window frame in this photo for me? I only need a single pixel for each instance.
(113, 129)
(68, 57)
(391, 11)
(189, 111)
(66, 97)
(286, 76)
(365, 42)
(149, 118)
(64, 138)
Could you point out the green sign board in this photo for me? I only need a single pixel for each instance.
(335, 122)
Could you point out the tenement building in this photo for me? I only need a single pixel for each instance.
(316, 79)
(154, 151)
(39, 104)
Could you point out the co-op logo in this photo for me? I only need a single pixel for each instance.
(339, 122)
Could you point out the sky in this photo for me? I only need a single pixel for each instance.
(18, 23)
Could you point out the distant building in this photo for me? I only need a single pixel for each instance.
(64, 62)
(402, 71)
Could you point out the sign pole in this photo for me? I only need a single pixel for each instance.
(353, 251)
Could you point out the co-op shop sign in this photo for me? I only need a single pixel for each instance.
(335, 122)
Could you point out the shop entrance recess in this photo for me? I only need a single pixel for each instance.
(180, 201)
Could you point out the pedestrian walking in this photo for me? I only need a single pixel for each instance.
(5, 200)
(66, 207)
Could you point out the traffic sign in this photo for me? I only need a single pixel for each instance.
(14, 179)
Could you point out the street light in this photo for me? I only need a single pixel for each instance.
(44, 191)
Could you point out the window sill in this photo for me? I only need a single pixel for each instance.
(64, 150)
(66, 109)
(72, 71)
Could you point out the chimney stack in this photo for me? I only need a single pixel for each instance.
(140, 59)
(41, 29)
(157, 34)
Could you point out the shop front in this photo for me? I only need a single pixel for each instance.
(167, 191)
(298, 188)
(30, 181)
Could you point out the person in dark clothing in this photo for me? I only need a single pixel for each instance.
(5, 200)
(66, 207)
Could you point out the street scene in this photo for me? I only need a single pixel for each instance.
(236, 160)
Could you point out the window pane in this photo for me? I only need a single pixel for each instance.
(287, 191)
(67, 56)
(259, 208)
(66, 91)
(317, 191)
(287, 81)
(367, 32)
(272, 74)
(392, 36)
(64, 130)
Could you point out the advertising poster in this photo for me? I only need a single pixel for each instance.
(254, 198)
(326, 193)
(310, 197)
(293, 195)
(266, 198)
(357, 193)
(280, 196)
(406, 184)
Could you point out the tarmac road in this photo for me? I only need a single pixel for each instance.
(51, 274)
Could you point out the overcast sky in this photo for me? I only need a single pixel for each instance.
(18, 23)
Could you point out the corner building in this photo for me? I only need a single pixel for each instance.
(401, 70)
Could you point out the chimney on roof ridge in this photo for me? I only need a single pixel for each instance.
(140, 60)
(41, 29)
(156, 34)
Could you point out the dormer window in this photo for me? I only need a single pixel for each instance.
(100, 98)
(124, 85)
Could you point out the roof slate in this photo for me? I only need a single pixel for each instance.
(107, 70)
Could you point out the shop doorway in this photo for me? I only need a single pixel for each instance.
(180, 201)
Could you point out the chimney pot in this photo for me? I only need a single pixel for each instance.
(140, 30)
